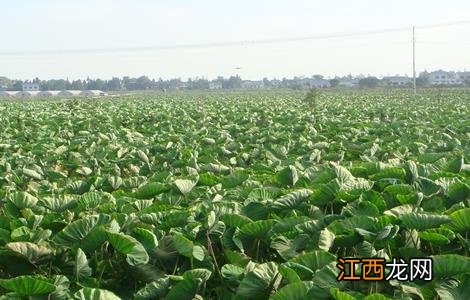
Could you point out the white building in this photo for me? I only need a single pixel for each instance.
(319, 83)
(464, 76)
(183, 85)
(397, 80)
(311, 82)
(441, 77)
(30, 86)
(351, 83)
(275, 83)
(252, 84)
(215, 85)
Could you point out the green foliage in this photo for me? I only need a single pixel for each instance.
(311, 98)
(240, 196)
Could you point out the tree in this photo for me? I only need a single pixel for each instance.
(198, 84)
(17, 85)
(234, 82)
(267, 82)
(143, 83)
(77, 85)
(369, 82)
(97, 84)
(43, 86)
(68, 85)
(423, 79)
(5, 83)
(161, 85)
(56, 84)
(114, 84)
(129, 83)
(334, 82)
(174, 84)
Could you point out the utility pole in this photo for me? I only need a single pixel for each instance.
(414, 62)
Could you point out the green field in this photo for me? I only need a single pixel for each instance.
(233, 195)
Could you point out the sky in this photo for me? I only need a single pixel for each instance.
(53, 38)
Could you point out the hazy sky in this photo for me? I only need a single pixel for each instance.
(28, 27)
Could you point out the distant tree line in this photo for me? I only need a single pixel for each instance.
(233, 82)
(124, 83)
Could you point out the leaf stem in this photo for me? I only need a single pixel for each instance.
(211, 251)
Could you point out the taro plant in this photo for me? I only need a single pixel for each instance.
(239, 196)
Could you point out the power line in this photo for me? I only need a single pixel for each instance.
(429, 26)
(443, 43)
(229, 43)
(201, 45)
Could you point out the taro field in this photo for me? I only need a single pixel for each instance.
(233, 195)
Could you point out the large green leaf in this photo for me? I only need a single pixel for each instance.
(232, 272)
(376, 296)
(153, 290)
(81, 267)
(184, 186)
(258, 283)
(286, 247)
(184, 290)
(289, 274)
(454, 289)
(455, 165)
(390, 173)
(234, 179)
(325, 193)
(58, 203)
(90, 200)
(339, 295)
(200, 273)
(288, 176)
(62, 285)
(94, 294)
(449, 265)
(23, 200)
(150, 190)
(78, 230)
(234, 220)
(323, 280)
(286, 224)
(32, 252)
(460, 220)
(458, 191)
(216, 168)
(291, 200)
(314, 260)
(28, 285)
(146, 237)
(437, 236)
(133, 250)
(32, 174)
(292, 291)
(183, 245)
(423, 221)
(258, 229)
(326, 239)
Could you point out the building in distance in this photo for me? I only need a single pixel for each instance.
(30, 86)
(397, 80)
